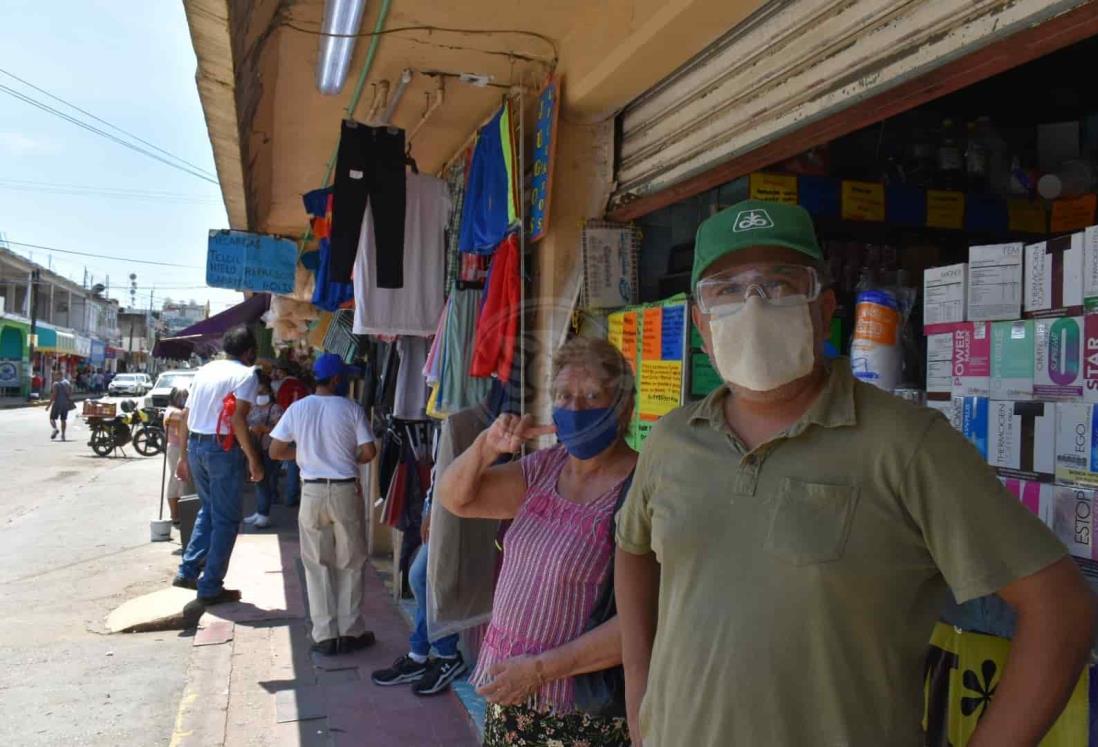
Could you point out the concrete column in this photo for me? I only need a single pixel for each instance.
(582, 175)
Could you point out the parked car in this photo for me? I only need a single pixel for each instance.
(129, 384)
(167, 381)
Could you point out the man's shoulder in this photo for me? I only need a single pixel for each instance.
(888, 418)
(676, 422)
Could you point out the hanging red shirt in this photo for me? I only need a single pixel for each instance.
(498, 323)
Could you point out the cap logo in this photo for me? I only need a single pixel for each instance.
(749, 220)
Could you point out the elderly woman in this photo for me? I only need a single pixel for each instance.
(557, 554)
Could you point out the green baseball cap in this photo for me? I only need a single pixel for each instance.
(753, 223)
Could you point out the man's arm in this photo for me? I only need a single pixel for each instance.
(183, 469)
(282, 451)
(366, 453)
(1052, 642)
(636, 591)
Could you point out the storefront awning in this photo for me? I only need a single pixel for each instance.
(83, 346)
(51, 340)
(204, 338)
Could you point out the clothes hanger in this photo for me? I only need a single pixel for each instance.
(409, 161)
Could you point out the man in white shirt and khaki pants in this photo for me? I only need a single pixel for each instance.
(328, 436)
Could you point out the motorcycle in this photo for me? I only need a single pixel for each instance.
(144, 427)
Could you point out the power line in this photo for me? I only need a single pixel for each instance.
(103, 121)
(177, 199)
(56, 112)
(98, 256)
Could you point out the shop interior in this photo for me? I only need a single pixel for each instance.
(1013, 144)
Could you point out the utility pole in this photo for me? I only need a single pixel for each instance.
(33, 342)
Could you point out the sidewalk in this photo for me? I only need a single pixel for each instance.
(252, 679)
(13, 403)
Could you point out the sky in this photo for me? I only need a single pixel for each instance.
(129, 62)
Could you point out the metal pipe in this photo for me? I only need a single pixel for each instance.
(342, 19)
(394, 99)
(436, 102)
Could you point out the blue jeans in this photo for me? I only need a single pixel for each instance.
(219, 479)
(420, 643)
(291, 488)
(266, 490)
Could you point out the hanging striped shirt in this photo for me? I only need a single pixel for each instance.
(556, 557)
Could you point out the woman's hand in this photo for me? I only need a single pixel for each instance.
(507, 434)
(513, 681)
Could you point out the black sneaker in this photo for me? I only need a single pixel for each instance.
(440, 673)
(404, 670)
(349, 643)
(185, 583)
(225, 596)
(325, 648)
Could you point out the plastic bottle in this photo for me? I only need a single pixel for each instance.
(950, 158)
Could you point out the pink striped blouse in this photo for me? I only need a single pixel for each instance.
(556, 557)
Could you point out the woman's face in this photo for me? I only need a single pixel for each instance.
(578, 388)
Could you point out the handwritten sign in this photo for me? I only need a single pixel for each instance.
(1026, 216)
(774, 188)
(250, 262)
(545, 143)
(863, 201)
(629, 337)
(945, 209)
(651, 334)
(660, 389)
(1074, 214)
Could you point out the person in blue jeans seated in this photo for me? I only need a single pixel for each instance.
(426, 676)
(216, 449)
(261, 421)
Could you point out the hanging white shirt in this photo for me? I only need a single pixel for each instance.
(211, 384)
(415, 308)
(328, 430)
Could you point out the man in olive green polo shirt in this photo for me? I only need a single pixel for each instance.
(787, 543)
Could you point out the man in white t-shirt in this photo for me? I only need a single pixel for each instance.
(328, 436)
(215, 449)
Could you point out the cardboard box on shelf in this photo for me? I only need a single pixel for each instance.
(1058, 358)
(1012, 361)
(939, 363)
(995, 282)
(974, 422)
(1036, 496)
(1054, 277)
(1090, 358)
(1090, 269)
(1073, 520)
(944, 295)
(972, 359)
(1021, 439)
(1076, 444)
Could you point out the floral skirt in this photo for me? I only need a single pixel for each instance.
(522, 725)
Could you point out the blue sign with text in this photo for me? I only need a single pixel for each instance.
(545, 134)
(250, 262)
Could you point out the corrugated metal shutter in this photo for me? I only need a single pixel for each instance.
(794, 62)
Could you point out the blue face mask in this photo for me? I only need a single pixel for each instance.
(586, 433)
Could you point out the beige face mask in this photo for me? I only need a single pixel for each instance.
(761, 344)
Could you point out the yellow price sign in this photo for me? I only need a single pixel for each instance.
(773, 188)
(945, 209)
(863, 201)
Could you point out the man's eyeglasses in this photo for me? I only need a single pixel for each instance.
(733, 287)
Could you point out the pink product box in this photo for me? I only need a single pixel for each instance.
(1036, 496)
(972, 359)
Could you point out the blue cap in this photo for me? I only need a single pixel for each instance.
(328, 365)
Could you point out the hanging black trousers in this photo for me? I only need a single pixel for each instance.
(369, 169)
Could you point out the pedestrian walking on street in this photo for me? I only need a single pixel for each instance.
(328, 436)
(261, 420)
(215, 453)
(788, 541)
(174, 417)
(60, 403)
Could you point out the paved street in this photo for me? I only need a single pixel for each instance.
(74, 543)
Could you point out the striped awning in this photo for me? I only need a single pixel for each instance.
(56, 341)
